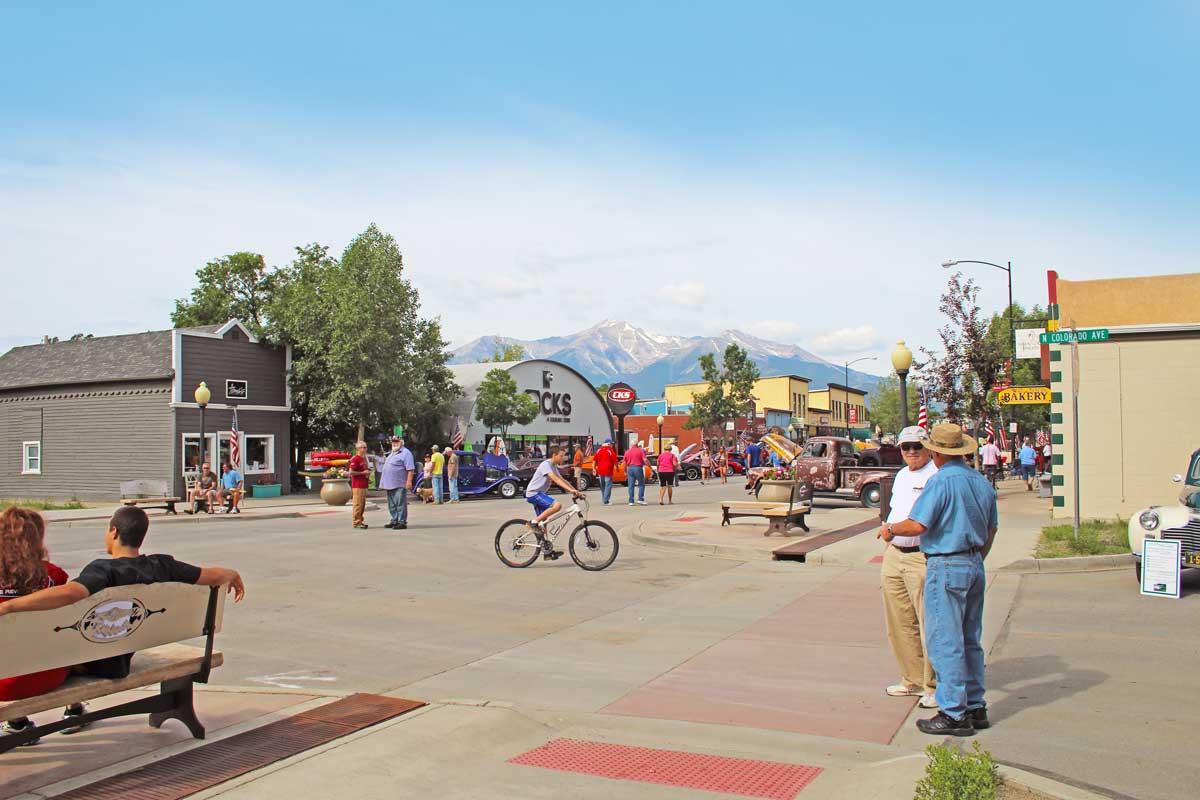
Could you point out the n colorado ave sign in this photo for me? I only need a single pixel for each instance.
(1067, 337)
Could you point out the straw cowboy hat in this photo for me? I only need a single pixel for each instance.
(948, 439)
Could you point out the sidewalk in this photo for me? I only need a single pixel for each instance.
(282, 507)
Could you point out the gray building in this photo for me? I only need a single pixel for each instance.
(77, 418)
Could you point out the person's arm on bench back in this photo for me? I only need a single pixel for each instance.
(221, 576)
(47, 599)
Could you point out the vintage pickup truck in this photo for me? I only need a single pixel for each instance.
(1180, 522)
(830, 464)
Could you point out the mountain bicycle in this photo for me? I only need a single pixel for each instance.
(593, 544)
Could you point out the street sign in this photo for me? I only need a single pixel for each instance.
(853, 415)
(1024, 396)
(1068, 337)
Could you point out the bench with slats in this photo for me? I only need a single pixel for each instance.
(149, 620)
(780, 516)
(148, 494)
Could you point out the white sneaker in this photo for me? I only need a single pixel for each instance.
(928, 701)
(900, 690)
(641, 502)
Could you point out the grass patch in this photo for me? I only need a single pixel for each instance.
(44, 504)
(1097, 537)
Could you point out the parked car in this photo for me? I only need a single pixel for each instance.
(482, 473)
(830, 464)
(619, 476)
(689, 460)
(1179, 522)
(524, 471)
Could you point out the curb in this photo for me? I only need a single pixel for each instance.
(1072, 564)
(181, 519)
(1045, 787)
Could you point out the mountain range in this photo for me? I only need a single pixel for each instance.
(613, 350)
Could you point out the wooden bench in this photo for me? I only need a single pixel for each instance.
(149, 620)
(148, 494)
(779, 516)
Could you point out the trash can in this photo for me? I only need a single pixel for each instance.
(885, 496)
(1046, 484)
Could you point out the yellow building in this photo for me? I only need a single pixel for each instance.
(836, 400)
(1139, 391)
(776, 392)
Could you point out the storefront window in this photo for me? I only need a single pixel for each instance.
(191, 452)
(259, 454)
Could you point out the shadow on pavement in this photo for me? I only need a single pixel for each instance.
(1035, 681)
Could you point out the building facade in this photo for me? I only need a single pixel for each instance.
(787, 394)
(78, 418)
(1138, 391)
(844, 406)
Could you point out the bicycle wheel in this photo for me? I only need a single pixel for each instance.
(594, 545)
(516, 543)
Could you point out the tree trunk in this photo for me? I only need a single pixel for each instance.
(362, 432)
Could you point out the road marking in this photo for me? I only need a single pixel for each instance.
(283, 679)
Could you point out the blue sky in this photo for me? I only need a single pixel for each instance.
(546, 165)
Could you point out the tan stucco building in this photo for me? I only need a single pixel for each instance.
(838, 400)
(1139, 391)
(774, 392)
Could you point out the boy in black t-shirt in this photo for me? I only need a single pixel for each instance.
(126, 532)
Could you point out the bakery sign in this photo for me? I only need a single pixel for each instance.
(1024, 395)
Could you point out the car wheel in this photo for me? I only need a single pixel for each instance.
(508, 490)
(585, 482)
(870, 495)
(691, 474)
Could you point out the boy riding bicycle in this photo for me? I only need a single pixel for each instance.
(545, 505)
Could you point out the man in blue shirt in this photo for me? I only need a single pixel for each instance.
(752, 455)
(233, 488)
(956, 518)
(1028, 459)
(397, 479)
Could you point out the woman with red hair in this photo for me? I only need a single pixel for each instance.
(25, 569)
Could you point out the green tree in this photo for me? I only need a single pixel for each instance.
(730, 389)
(885, 404)
(602, 390)
(1027, 372)
(509, 352)
(238, 285)
(500, 404)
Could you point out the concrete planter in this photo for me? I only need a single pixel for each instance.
(776, 491)
(336, 491)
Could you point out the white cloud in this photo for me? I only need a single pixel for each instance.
(846, 341)
(779, 330)
(691, 294)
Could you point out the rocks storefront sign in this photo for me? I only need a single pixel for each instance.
(555, 406)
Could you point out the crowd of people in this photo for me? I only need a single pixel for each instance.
(30, 581)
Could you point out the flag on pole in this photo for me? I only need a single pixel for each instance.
(235, 444)
(923, 414)
(988, 430)
(457, 438)
(1003, 439)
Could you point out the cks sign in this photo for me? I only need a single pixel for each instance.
(620, 398)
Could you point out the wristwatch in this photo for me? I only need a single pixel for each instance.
(890, 535)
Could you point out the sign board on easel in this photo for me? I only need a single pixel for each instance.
(1160, 568)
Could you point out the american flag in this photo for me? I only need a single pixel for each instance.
(235, 444)
(1003, 443)
(923, 414)
(988, 430)
(589, 446)
(1041, 439)
(457, 439)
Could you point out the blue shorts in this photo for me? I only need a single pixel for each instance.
(540, 501)
(1027, 470)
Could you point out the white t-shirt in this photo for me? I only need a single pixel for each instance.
(905, 491)
(540, 481)
(991, 455)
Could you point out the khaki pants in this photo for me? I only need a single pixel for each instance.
(904, 611)
(359, 498)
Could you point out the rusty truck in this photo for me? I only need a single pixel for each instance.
(829, 464)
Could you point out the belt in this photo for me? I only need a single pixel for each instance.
(967, 552)
(914, 549)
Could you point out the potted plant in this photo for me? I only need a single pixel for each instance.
(777, 484)
(267, 486)
(335, 489)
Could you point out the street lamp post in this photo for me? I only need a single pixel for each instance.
(901, 362)
(202, 395)
(660, 424)
(846, 411)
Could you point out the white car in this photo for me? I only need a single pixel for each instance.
(1179, 522)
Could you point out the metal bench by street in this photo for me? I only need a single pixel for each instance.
(149, 620)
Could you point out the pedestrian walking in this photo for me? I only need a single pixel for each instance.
(666, 476)
(604, 463)
(360, 479)
(991, 460)
(452, 473)
(577, 466)
(678, 464)
(396, 478)
(635, 473)
(956, 518)
(903, 574)
(723, 464)
(437, 463)
(1028, 460)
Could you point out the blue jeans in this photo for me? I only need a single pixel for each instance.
(605, 488)
(437, 488)
(398, 505)
(636, 476)
(954, 587)
(453, 482)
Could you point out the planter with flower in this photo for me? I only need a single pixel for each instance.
(777, 484)
(335, 488)
(266, 486)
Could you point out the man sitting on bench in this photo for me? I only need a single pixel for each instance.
(205, 490)
(232, 488)
(123, 540)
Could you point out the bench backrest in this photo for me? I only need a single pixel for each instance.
(109, 623)
(144, 488)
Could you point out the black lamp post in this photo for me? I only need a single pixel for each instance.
(902, 362)
(660, 424)
(203, 395)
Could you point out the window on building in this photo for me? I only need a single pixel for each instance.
(31, 458)
(191, 452)
(259, 454)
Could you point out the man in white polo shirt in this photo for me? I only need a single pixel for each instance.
(904, 575)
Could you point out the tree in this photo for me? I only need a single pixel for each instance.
(509, 352)
(602, 389)
(499, 403)
(885, 404)
(1027, 372)
(233, 286)
(730, 389)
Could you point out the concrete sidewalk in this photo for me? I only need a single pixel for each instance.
(283, 507)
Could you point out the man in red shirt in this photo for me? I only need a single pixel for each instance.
(605, 462)
(359, 479)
